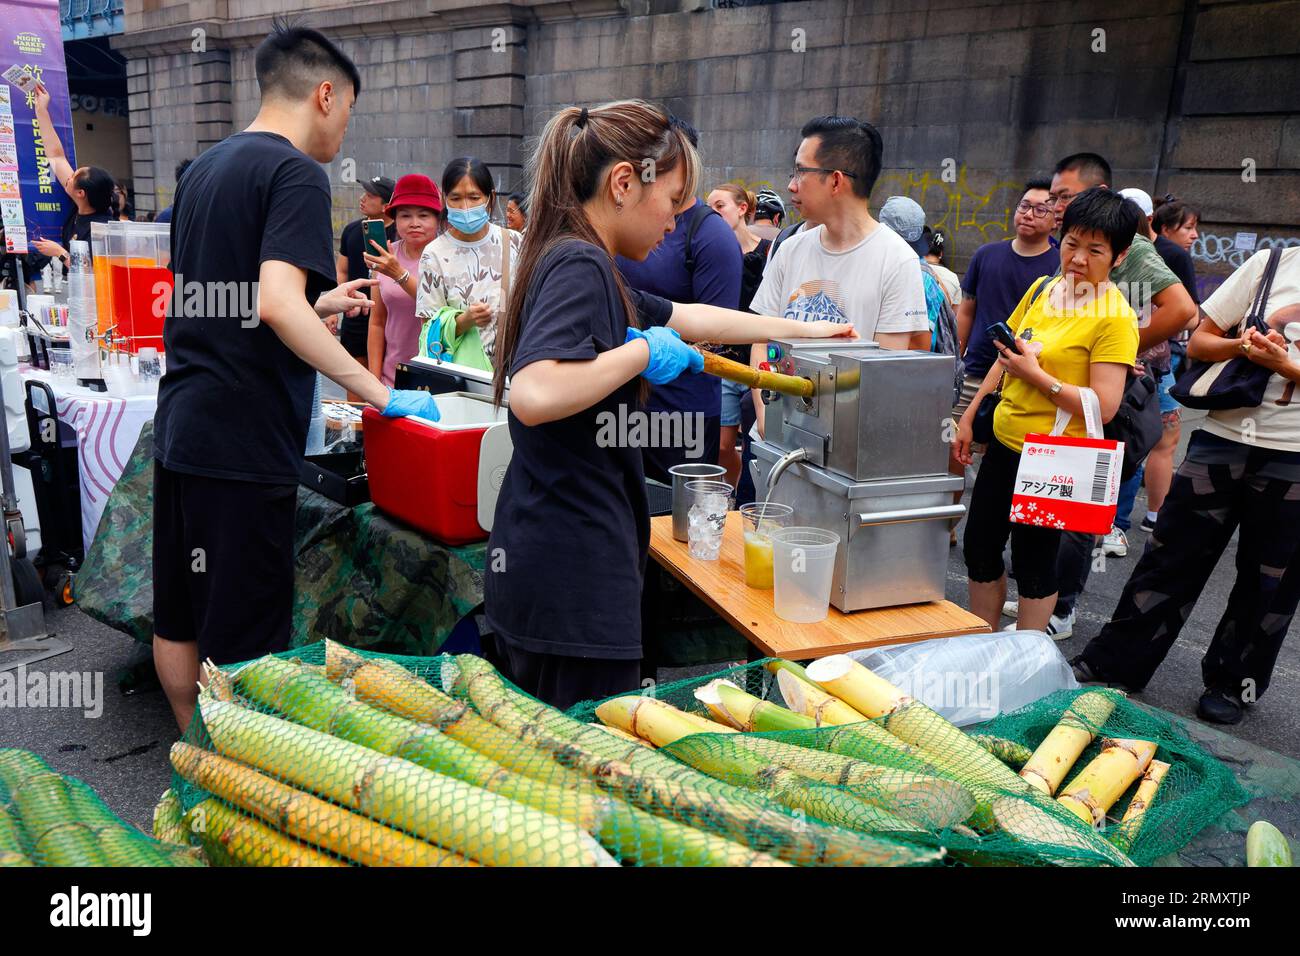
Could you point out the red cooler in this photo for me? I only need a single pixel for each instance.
(441, 477)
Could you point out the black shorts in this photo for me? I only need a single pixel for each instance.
(223, 564)
(354, 334)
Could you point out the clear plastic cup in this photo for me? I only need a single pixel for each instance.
(710, 502)
(762, 519)
(803, 566)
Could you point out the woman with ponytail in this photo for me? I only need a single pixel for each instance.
(567, 554)
(92, 188)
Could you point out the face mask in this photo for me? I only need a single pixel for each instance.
(469, 220)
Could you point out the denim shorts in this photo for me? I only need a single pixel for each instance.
(732, 395)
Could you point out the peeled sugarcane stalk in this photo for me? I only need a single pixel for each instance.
(396, 690)
(1012, 754)
(759, 716)
(667, 787)
(1048, 765)
(1095, 790)
(807, 698)
(943, 744)
(932, 802)
(1135, 814)
(734, 371)
(236, 839)
(457, 816)
(310, 819)
(315, 702)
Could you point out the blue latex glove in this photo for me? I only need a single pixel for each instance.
(669, 355)
(409, 401)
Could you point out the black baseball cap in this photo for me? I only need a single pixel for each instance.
(380, 186)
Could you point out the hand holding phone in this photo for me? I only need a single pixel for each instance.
(1001, 332)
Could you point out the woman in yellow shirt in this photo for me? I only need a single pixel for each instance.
(1078, 333)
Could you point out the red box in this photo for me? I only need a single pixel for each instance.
(440, 477)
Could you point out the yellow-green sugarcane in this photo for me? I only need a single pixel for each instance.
(687, 794)
(457, 816)
(312, 700)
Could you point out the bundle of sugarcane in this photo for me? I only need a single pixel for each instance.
(667, 787)
(57, 821)
(312, 700)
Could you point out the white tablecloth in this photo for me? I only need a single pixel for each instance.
(107, 427)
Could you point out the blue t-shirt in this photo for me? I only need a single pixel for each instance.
(718, 270)
(997, 279)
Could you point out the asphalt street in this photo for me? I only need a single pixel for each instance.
(122, 753)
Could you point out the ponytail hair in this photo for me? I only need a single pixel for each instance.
(568, 167)
(739, 194)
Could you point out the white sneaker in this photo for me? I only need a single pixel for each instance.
(1011, 609)
(1115, 544)
(1060, 628)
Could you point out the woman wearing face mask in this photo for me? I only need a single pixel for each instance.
(572, 527)
(464, 276)
(394, 328)
(93, 189)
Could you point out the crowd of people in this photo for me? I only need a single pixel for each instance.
(585, 293)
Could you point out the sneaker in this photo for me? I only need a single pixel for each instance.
(1147, 525)
(1115, 544)
(1060, 628)
(1011, 609)
(1220, 707)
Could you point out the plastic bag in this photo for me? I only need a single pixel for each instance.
(974, 677)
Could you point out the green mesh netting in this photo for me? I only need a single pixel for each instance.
(326, 756)
(47, 819)
(922, 783)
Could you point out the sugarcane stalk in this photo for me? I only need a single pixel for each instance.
(810, 700)
(686, 795)
(310, 819)
(394, 689)
(1048, 765)
(1135, 814)
(455, 815)
(1100, 784)
(1012, 754)
(236, 839)
(168, 819)
(734, 371)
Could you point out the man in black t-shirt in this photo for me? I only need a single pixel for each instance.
(253, 259)
(349, 265)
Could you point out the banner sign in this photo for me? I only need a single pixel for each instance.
(33, 203)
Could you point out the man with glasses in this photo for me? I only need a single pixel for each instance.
(997, 278)
(848, 269)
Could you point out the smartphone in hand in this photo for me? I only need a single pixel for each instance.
(1001, 332)
(372, 230)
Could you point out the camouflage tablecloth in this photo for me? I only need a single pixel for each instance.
(361, 578)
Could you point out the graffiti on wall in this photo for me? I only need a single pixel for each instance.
(967, 214)
(1222, 250)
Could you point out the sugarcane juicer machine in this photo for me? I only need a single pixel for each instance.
(864, 453)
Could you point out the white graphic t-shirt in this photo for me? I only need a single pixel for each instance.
(876, 285)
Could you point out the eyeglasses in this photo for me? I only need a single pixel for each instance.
(800, 170)
(1040, 212)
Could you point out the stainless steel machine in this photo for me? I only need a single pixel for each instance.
(866, 456)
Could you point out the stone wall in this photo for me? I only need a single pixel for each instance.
(972, 97)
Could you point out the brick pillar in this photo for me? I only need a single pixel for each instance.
(488, 98)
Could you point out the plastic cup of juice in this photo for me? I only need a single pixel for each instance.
(761, 519)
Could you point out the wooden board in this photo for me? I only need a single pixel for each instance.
(721, 585)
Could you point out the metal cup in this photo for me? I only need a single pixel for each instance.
(681, 500)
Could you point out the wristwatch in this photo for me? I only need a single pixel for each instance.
(1055, 389)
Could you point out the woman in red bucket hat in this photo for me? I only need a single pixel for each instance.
(416, 208)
